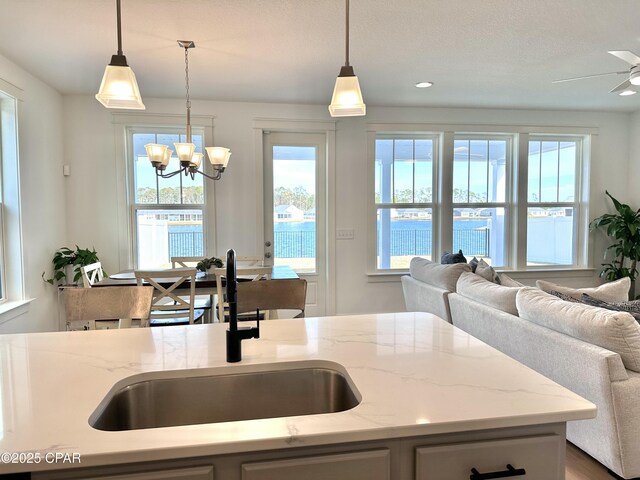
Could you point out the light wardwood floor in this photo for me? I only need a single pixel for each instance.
(580, 466)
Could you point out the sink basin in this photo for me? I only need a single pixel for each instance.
(188, 397)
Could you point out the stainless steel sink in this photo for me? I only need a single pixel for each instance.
(188, 397)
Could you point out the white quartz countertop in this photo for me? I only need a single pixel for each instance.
(417, 375)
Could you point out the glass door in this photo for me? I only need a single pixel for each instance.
(294, 208)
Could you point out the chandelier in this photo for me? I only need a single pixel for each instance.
(190, 160)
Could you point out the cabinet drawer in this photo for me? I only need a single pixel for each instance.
(191, 473)
(369, 465)
(542, 457)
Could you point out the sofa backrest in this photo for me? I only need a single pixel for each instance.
(487, 293)
(422, 297)
(615, 331)
(444, 277)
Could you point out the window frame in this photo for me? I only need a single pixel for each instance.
(580, 232)
(517, 182)
(507, 204)
(134, 207)
(436, 139)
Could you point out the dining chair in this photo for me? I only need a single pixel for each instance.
(254, 273)
(90, 305)
(204, 302)
(171, 306)
(250, 261)
(290, 294)
(91, 274)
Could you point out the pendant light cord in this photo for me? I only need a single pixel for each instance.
(347, 36)
(120, 28)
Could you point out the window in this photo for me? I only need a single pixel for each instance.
(453, 191)
(552, 209)
(11, 273)
(480, 210)
(404, 191)
(168, 213)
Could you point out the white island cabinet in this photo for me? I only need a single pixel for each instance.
(433, 404)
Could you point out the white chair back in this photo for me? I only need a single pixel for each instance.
(185, 262)
(255, 273)
(167, 302)
(91, 274)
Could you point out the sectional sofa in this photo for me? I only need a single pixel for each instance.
(591, 351)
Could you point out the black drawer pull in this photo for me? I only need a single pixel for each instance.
(509, 472)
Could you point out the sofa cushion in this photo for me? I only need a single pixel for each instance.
(486, 271)
(483, 291)
(441, 276)
(615, 331)
(507, 281)
(616, 291)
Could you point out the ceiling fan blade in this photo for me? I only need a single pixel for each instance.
(589, 76)
(623, 86)
(627, 56)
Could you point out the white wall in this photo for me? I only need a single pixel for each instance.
(42, 190)
(92, 205)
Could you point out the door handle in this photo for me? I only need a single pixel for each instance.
(267, 254)
(509, 472)
(267, 243)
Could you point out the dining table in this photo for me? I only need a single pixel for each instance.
(205, 282)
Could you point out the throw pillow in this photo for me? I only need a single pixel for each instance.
(487, 272)
(441, 276)
(473, 263)
(448, 258)
(487, 293)
(632, 307)
(507, 281)
(615, 331)
(616, 291)
(566, 298)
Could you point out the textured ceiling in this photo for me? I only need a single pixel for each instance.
(478, 53)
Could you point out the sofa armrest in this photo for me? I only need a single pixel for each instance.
(422, 297)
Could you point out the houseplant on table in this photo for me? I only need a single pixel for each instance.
(206, 263)
(66, 259)
(624, 228)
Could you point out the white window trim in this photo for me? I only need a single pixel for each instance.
(444, 181)
(123, 123)
(11, 218)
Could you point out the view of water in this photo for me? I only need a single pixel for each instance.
(298, 239)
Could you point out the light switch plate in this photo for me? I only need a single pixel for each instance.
(345, 234)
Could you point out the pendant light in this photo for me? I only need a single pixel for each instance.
(119, 88)
(347, 98)
(159, 155)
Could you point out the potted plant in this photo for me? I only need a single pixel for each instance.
(67, 262)
(624, 228)
(206, 263)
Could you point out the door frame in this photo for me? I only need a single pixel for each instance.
(328, 128)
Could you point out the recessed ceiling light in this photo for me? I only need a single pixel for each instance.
(424, 84)
(626, 93)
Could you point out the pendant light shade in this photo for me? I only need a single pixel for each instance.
(119, 88)
(347, 97)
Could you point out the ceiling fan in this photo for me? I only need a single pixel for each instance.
(633, 73)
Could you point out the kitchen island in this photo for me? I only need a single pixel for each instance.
(431, 398)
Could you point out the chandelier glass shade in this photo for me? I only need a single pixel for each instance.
(190, 161)
(119, 88)
(347, 97)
